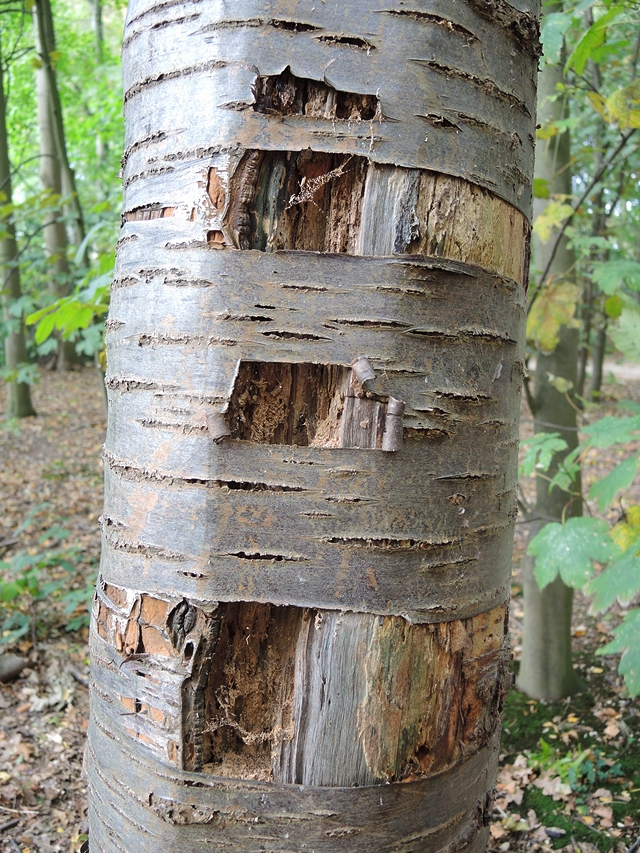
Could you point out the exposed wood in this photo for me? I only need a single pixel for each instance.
(264, 692)
(369, 209)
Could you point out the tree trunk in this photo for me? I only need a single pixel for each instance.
(98, 29)
(597, 359)
(315, 358)
(18, 393)
(55, 234)
(546, 670)
(45, 45)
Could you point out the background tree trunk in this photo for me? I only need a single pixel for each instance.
(546, 669)
(48, 92)
(18, 393)
(321, 604)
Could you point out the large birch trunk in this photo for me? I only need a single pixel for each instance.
(315, 360)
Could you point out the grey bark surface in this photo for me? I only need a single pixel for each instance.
(288, 608)
(546, 668)
(19, 403)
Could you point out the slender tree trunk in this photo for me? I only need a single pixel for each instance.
(45, 45)
(315, 359)
(98, 29)
(546, 670)
(55, 234)
(18, 393)
(597, 359)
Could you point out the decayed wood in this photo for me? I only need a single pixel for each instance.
(372, 699)
(370, 209)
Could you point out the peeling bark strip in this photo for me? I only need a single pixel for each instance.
(315, 357)
(149, 806)
(479, 67)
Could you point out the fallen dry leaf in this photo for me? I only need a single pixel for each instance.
(553, 786)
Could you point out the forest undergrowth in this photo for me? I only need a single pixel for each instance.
(570, 770)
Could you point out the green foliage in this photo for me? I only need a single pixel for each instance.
(91, 99)
(69, 314)
(569, 550)
(541, 188)
(605, 490)
(611, 275)
(551, 218)
(611, 430)
(620, 580)
(552, 32)
(592, 39)
(579, 769)
(35, 576)
(627, 642)
(626, 336)
(541, 448)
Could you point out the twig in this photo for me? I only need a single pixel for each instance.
(78, 676)
(9, 824)
(19, 811)
(635, 846)
(14, 845)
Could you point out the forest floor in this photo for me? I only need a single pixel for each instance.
(570, 770)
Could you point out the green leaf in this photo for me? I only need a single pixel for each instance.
(567, 473)
(621, 580)
(562, 385)
(623, 106)
(629, 406)
(540, 451)
(554, 307)
(613, 306)
(45, 328)
(568, 550)
(551, 217)
(626, 335)
(627, 641)
(620, 478)
(541, 188)
(612, 430)
(611, 275)
(594, 37)
(554, 26)
(626, 533)
(11, 590)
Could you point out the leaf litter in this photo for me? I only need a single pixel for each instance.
(51, 498)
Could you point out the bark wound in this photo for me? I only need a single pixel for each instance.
(305, 405)
(369, 209)
(287, 95)
(151, 211)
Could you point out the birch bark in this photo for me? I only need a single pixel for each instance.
(322, 555)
